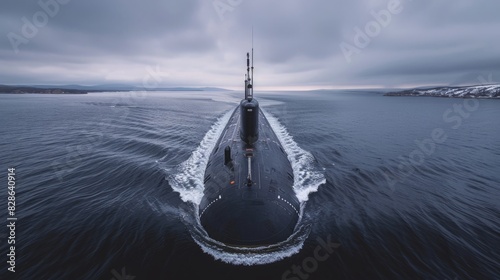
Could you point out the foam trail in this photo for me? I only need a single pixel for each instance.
(253, 256)
(188, 181)
(307, 177)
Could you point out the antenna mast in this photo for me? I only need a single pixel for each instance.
(252, 60)
(249, 76)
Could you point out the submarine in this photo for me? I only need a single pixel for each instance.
(248, 199)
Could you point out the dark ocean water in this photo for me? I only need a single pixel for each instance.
(411, 186)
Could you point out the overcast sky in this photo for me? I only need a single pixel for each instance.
(298, 44)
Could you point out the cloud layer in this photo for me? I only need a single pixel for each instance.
(300, 44)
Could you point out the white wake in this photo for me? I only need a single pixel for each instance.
(188, 181)
(307, 178)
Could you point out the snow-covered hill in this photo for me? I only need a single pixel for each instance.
(483, 91)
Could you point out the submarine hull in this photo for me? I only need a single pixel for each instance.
(248, 197)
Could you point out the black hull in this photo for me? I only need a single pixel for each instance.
(236, 213)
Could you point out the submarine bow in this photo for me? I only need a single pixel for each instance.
(248, 198)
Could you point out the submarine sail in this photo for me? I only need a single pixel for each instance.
(248, 198)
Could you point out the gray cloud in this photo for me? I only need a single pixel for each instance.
(297, 42)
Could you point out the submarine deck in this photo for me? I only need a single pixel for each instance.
(234, 212)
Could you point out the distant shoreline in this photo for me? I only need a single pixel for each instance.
(482, 92)
(4, 89)
(34, 90)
